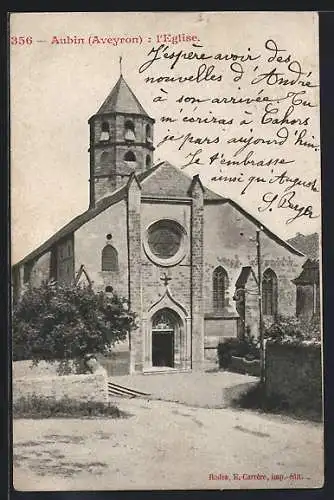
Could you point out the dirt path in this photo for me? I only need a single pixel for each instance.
(164, 445)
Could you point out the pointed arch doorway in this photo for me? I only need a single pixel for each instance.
(166, 326)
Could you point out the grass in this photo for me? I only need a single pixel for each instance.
(256, 399)
(36, 407)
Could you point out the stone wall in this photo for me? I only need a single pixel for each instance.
(41, 270)
(116, 147)
(116, 363)
(25, 369)
(293, 373)
(65, 260)
(197, 223)
(179, 286)
(78, 387)
(308, 301)
(135, 275)
(217, 329)
(152, 272)
(229, 241)
(90, 239)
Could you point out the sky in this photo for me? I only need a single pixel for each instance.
(55, 88)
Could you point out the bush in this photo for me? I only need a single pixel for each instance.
(292, 329)
(46, 407)
(256, 398)
(66, 322)
(244, 348)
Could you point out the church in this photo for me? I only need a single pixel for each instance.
(185, 257)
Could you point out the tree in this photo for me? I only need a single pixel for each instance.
(59, 322)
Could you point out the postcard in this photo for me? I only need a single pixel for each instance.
(166, 227)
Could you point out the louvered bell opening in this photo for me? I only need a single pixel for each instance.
(129, 135)
(104, 136)
(130, 159)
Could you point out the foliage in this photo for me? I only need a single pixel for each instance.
(246, 347)
(292, 329)
(46, 407)
(59, 322)
(256, 398)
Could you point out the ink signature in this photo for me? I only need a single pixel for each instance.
(287, 200)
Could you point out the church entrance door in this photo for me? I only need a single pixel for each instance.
(164, 324)
(163, 349)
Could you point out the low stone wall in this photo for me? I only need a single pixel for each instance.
(117, 363)
(92, 387)
(293, 373)
(241, 365)
(23, 369)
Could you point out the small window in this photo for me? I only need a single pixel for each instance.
(109, 259)
(219, 288)
(130, 156)
(148, 161)
(148, 133)
(269, 293)
(109, 289)
(105, 127)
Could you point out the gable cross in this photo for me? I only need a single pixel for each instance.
(165, 279)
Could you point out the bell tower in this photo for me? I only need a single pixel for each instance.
(121, 141)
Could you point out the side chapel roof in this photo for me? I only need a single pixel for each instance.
(310, 274)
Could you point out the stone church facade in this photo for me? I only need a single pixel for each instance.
(184, 256)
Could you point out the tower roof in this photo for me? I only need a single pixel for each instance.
(122, 100)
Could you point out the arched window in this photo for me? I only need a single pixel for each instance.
(148, 161)
(219, 288)
(129, 132)
(164, 320)
(269, 293)
(109, 289)
(109, 259)
(130, 156)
